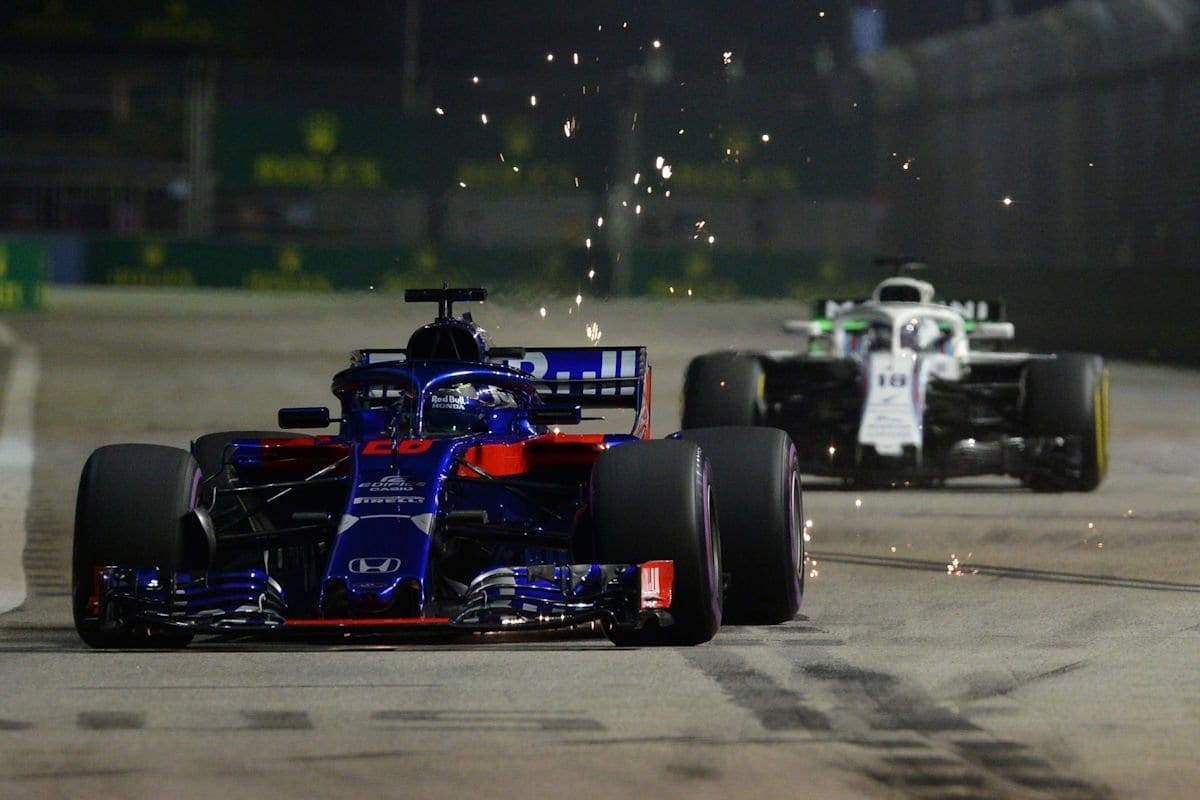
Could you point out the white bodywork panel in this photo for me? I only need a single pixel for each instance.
(894, 408)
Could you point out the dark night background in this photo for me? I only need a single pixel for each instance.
(497, 35)
(766, 148)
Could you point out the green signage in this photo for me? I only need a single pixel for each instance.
(22, 273)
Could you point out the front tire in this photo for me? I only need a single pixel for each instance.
(761, 513)
(723, 389)
(1067, 397)
(653, 501)
(130, 512)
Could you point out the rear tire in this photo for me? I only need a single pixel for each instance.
(653, 500)
(1068, 396)
(130, 512)
(761, 514)
(723, 389)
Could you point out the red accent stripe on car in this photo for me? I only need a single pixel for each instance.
(551, 449)
(360, 622)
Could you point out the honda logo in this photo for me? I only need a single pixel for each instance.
(374, 566)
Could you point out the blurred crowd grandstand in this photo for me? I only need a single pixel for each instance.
(764, 147)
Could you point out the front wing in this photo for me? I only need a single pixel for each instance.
(502, 599)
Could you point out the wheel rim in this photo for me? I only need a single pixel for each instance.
(1100, 406)
(795, 524)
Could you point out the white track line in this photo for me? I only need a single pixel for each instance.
(16, 465)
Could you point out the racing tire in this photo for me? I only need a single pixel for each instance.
(760, 510)
(651, 501)
(723, 389)
(1067, 396)
(131, 512)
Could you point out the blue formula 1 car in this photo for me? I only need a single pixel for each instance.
(449, 498)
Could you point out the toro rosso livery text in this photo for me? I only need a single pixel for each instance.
(449, 498)
(892, 390)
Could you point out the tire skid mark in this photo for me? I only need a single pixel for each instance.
(776, 707)
(891, 705)
(547, 722)
(111, 720)
(49, 522)
(690, 771)
(269, 720)
(442, 719)
(337, 758)
(91, 775)
(1016, 573)
(949, 756)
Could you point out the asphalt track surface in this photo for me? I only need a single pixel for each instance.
(1058, 659)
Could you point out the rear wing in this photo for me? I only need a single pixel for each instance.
(597, 377)
(824, 308)
(591, 376)
(979, 310)
(830, 307)
(985, 319)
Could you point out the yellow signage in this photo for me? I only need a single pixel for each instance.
(496, 175)
(319, 167)
(289, 275)
(350, 172)
(728, 179)
(152, 271)
(320, 130)
(12, 294)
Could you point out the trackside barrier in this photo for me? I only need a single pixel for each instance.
(1136, 312)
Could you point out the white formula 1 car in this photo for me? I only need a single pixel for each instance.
(903, 389)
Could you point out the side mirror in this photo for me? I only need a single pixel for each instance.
(556, 415)
(313, 417)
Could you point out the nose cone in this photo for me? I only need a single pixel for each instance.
(363, 597)
(366, 600)
(378, 565)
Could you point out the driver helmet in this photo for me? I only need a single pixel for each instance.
(463, 408)
(919, 334)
